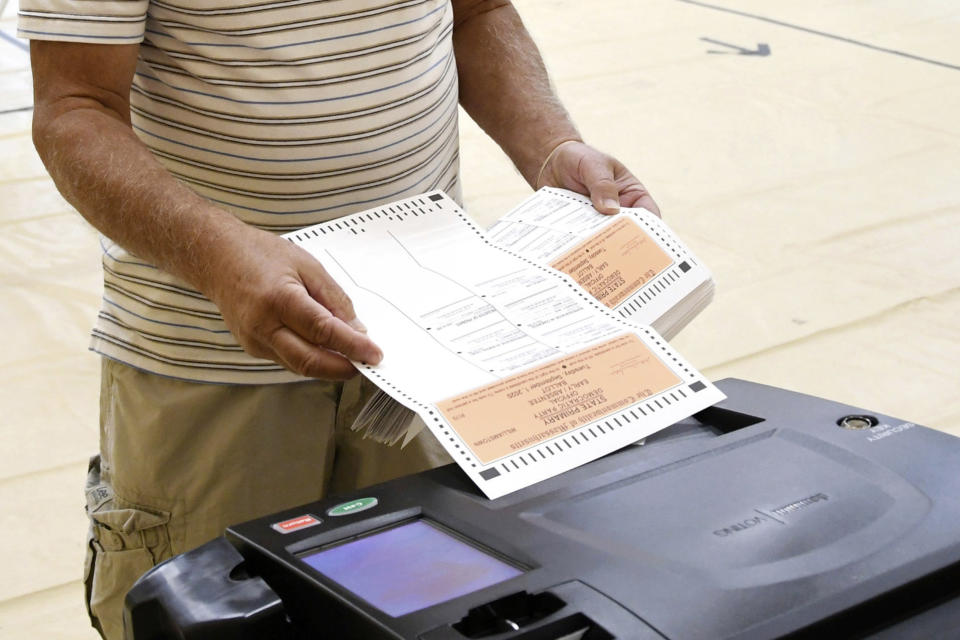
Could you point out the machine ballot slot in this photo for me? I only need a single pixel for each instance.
(568, 611)
(574, 627)
(410, 566)
(509, 613)
(518, 611)
(726, 420)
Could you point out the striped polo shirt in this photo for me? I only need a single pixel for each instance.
(286, 113)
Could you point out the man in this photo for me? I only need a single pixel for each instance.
(190, 134)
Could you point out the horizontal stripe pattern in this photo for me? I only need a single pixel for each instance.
(286, 113)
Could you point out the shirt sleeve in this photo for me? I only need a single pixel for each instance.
(94, 21)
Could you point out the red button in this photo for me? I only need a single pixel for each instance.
(295, 524)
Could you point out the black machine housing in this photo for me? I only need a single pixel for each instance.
(772, 514)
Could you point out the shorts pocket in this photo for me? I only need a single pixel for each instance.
(125, 540)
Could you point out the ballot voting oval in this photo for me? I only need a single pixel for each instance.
(771, 514)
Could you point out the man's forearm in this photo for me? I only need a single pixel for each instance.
(111, 178)
(504, 85)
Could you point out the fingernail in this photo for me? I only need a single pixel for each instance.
(359, 326)
(377, 357)
(610, 203)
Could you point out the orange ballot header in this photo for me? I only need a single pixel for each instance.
(523, 410)
(615, 262)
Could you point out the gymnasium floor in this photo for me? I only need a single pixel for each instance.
(820, 182)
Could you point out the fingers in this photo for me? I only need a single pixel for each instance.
(609, 184)
(318, 326)
(639, 197)
(282, 305)
(307, 359)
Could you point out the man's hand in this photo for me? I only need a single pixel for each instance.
(277, 300)
(282, 305)
(505, 89)
(579, 167)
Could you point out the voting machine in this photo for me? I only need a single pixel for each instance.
(772, 514)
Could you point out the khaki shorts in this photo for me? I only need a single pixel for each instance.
(180, 461)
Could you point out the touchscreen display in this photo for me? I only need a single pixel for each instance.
(409, 567)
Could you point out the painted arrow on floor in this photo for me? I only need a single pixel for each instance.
(762, 49)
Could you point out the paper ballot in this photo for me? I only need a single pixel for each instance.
(631, 262)
(516, 369)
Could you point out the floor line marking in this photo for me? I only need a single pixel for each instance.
(824, 34)
(9, 38)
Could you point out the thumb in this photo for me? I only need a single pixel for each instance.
(598, 177)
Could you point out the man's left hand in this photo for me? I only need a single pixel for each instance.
(579, 167)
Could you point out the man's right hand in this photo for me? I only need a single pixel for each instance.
(281, 304)
(278, 301)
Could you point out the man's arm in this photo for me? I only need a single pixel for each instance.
(275, 298)
(505, 88)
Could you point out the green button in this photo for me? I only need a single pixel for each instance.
(354, 506)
